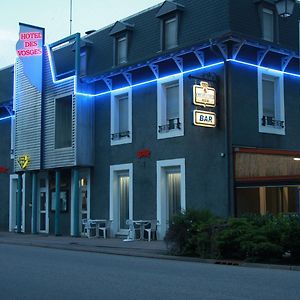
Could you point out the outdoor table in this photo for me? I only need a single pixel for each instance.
(142, 224)
(98, 222)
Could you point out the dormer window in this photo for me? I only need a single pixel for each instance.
(170, 33)
(169, 14)
(121, 50)
(121, 32)
(268, 25)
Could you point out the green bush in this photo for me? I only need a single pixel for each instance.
(190, 233)
(253, 237)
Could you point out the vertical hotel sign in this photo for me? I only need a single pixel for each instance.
(30, 52)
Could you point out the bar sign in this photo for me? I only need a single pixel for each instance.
(204, 118)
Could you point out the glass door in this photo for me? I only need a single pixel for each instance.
(123, 201)
(43, 216)
(173, 193)
(83, 199)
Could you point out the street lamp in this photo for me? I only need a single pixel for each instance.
(285, 7)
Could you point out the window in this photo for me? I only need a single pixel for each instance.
(170, 108)
(271, 102)
(121, 118)
(170, 33)
(63, 122)
(121, 50)
(268, 25)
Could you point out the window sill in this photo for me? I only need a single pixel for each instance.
(272, 130)
(121, 141)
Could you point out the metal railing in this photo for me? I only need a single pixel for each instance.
(172, 124)
(270, 121)
(120, 135)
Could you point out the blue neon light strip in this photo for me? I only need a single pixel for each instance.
(263, 68)
(5, 118)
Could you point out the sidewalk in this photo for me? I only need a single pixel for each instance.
(154, 249)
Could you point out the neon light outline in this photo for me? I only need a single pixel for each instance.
(73, 77)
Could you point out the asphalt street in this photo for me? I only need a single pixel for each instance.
(40, 273)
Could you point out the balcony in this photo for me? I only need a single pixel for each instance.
(172, 124)
(270, 121)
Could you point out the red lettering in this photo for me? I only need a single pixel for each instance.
(144, 153)
(30, 44)
(30, 36)
(3, 169)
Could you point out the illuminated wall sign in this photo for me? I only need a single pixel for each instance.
(144, 153)
(204, 95)
(23, 161)
(204, 118)
(30, 52)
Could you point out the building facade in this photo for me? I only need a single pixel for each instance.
(188, 104)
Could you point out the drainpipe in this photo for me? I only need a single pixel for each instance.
(19, 204)
(228, 141)
(76, 203)
(34, 203)
(57, 203)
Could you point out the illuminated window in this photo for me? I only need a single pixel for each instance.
(170, 108)
(121, 50)
(170, 33)
(121, 118)
(268, 25)
(271, 102)
(63, 122)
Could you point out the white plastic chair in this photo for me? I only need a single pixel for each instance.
(89, 226)
(151, 229)
(104, 227)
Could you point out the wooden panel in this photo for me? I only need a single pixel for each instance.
(253, 165)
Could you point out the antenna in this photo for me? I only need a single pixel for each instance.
(71, 2)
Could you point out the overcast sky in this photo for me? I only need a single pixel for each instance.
(54, 16)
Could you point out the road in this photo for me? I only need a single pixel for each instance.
(41, 273)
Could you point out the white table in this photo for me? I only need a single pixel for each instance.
(142, 224)
(98, 222)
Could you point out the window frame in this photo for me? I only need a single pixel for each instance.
(114, 117)
(72, 125)
(162, 107)
(117, 58)
(279, 112)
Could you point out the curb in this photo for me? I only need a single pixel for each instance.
(134, 252)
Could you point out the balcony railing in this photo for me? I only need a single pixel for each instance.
(270, 121)
(172, 124)
(120, 135)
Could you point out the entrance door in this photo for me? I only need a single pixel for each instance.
(170, 192)
(121, 197)
(173, 193)
(43, 205)
(13, 198)
(84, 198)
(123, 182)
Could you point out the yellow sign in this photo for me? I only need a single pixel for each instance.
(23, 161)
(204, 118)
(204, 95)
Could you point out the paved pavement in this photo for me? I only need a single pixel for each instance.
(116, 246)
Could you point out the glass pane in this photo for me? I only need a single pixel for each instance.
(268, 98)
(42, 222)
(42, 182)
(124, 200)
(122, 50)
(123, 114)
(173, 190)
(170, 33)
(172, 101)
(63, 122)
(42, 201)
(268, 26)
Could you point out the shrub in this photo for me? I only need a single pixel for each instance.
(190, 233)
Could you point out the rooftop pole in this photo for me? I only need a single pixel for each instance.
(71, 2)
